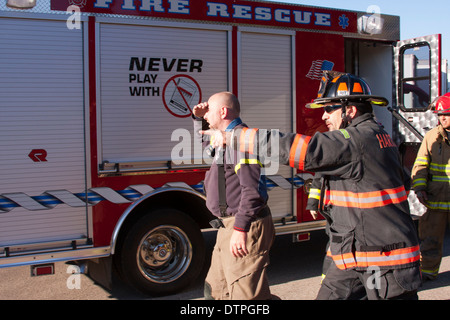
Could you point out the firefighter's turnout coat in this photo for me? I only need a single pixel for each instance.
(366, 190)
(431, 171)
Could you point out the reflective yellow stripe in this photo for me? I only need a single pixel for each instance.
(247, 161)
(431, 272)
(345, 133)
(439, 167)
(419, 182)
(314, 194)
(436, 205)
(440, 178)
(422, 161)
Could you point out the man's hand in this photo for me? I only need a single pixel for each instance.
(314, 214)
(238, 244)
(218, 138)
(201, 109)
(422, 196)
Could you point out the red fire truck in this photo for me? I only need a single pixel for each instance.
(97, 96)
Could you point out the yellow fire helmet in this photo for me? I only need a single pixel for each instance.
(340, 87)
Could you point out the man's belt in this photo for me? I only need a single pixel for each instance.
(218, 223)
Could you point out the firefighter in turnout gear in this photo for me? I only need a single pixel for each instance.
(431, 183)
(373, 239)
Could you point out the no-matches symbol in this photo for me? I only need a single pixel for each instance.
(38, 155)
(180, 94)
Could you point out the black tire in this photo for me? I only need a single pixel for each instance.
(162, 253)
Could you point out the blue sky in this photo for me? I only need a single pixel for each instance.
(417, 17)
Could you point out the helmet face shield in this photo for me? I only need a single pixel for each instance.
(340, 87)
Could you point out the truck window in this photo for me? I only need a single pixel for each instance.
(415, 77)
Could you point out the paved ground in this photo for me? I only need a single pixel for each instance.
(294, 275)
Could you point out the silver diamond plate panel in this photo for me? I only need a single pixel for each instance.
(422, 121)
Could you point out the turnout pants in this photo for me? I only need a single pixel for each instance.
(231, 278)
(432, 227)
(396, 284)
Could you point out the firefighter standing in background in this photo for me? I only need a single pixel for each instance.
(245, 227)
(431, 183)
(372, 235)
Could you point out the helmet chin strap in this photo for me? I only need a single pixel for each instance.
(345, 122)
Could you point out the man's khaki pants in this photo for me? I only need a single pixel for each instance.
(231, 278)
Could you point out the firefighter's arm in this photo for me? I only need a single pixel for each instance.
(321, 152)
(314, 197)
(272, 144)
(257, 142)
(329, 152)
(420, 172)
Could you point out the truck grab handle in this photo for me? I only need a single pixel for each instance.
(399, 117)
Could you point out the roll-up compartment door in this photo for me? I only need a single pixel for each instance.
(43, 133)
(267, 101)
(150, 79)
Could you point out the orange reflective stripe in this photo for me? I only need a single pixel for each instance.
(303, 152)
(395, 257)
(251, 141)
(366, 200)
(293, 151)
(298, 150)
(242, 145)
(247, 140)
(344, 261)
(390, 258)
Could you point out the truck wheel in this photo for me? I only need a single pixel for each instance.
(162, 253)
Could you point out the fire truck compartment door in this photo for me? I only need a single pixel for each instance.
(418, 82)
(150, 78)
(266, 96)
(42, 125)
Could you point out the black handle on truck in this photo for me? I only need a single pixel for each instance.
(411, 128)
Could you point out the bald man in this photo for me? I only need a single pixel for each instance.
(245, 228)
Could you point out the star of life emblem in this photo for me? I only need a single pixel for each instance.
(79, 3)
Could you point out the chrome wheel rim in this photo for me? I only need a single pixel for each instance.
(164, 254)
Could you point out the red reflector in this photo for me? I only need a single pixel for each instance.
(42, 269)
(299, 237)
